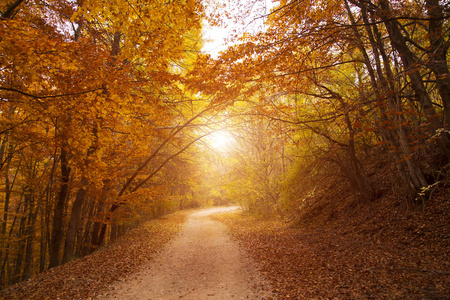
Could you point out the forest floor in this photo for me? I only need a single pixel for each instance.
(375, 250)
(201, 261)
(338, 250)
(87, 277)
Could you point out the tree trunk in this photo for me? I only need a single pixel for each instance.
(31, 231)
(114, 234)
(74, 220)
(46, 217)
(438, 53)
(415, 176)
(8, 190)
(104, 226)
(58, 216)
(43, 241)
(3, 148)
(96, 229)
(18, 264)
(398, 41)
(384, 88)
(83, 248)
(4, 278)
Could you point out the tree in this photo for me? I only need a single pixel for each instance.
(361, 90)
(88, 92)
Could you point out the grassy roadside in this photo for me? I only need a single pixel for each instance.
(89, 276)
(325, 263)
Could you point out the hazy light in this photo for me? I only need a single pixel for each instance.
(232, 19)
(215, 40)
(221, 141)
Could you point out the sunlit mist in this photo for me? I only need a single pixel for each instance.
(221, 141)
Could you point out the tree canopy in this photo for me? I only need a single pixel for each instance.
(109, 111)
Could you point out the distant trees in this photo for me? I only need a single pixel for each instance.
(255, 167)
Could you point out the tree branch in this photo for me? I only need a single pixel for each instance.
(10, 10)
(167, 160)
(50, 96)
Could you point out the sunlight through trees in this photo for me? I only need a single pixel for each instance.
(110, 114)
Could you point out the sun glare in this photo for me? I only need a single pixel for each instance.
(221, 140)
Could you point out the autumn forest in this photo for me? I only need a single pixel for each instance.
(111, 114)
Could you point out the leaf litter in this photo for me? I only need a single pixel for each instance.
(378, 250)
(374, 251)
(87, 277)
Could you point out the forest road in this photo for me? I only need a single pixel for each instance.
(201, 262)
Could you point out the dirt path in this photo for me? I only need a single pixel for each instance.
(202, 262)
